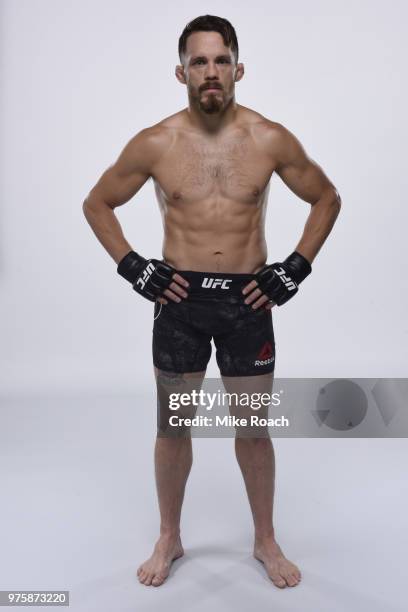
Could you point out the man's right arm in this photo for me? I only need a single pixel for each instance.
(117, 185)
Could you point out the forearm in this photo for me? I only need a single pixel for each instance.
(319, 225)
(106, 228)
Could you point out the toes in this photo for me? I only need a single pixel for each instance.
(148, 580)
(142, 576)
(294, 576)
(278, 581)
(158, 580)
(291, 580)
(145, 577)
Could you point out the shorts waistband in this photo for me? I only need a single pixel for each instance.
(215, 283)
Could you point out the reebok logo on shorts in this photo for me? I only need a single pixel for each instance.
(213, 283)
(265, 355)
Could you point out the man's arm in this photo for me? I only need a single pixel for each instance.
(307, 180)
(117, 185)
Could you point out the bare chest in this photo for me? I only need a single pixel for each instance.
(234, 168)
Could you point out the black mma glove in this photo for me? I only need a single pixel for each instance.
(279, 281)
(149, 277)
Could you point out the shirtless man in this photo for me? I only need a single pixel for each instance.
(211, 164)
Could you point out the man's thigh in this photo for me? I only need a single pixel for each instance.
(249, 401)
(181, 353)
(177, 400)
(248, 348)
(178, 345)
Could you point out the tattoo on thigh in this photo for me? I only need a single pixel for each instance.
(170, 378)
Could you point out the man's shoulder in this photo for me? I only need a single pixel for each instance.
(174, 121)
(262, 128)
(161, 135)
(155, 135)
(273, 136)
(167, 127)
(266, 125)
(153, 140)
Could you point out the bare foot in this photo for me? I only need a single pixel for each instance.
(281, 571)
(155, 570)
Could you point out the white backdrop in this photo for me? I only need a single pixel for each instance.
(80, 78)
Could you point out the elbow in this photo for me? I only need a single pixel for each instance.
(335, 201)
(336, 198)
(86, 207)
(89, 213)
(90, 207)
(93, 205)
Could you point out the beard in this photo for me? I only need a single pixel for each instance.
(211, 102)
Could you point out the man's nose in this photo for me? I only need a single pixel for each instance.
(211, 71)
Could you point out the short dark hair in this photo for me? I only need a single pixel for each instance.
(210, 23)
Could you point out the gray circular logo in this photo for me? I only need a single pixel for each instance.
(341, 405)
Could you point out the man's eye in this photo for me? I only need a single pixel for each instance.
(221, 61)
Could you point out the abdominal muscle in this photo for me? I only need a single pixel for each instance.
(215, 237)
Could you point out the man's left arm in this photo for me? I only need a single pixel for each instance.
(277, 283)
(307, 180)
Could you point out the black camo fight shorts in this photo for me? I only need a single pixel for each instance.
(214, 309)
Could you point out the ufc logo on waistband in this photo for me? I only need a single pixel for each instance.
(213, 283)
(286, 280)
(147, 272)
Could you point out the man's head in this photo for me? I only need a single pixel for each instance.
(208, 51)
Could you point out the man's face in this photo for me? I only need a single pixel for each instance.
(210, 71)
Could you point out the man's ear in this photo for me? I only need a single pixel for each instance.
(179, 72)
(239, 72)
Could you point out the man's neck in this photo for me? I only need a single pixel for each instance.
(214, 123)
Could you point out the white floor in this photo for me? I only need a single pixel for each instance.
(78, 513)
